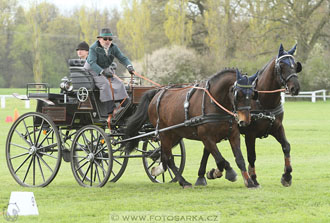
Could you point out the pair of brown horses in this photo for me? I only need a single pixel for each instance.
(216, 110)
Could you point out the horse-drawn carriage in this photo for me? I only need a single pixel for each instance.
(73, 125)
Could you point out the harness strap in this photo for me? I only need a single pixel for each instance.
(207, 87)
(269, 114)
(157, 108)
(186, 103)
(203, 119)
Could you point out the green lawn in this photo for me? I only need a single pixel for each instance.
(307, 200)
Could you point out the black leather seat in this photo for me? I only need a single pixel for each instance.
(79, 76)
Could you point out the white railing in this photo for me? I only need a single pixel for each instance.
(3, 101)
(307, 94)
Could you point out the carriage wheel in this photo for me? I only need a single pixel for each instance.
(119, 162)
(33, 150)
(152, 148)
(91, 157)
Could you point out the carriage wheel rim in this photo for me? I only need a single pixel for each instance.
(91, 157)
(33, 150)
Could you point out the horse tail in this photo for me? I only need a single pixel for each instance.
(140, 117)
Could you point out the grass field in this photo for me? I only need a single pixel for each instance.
(307, 200)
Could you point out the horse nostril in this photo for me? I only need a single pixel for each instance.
(241, 123)
(294, 91)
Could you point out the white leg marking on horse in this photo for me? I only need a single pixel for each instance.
(157, 170)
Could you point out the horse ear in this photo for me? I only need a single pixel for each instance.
(253, 77)
(299, 67)
(293, 50)
(280, 51)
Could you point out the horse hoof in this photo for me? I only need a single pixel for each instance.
(249, 184)
(254, 179)
(201, 181)
(286, 183)
(213, 174)
(231, 175)
(187, 186)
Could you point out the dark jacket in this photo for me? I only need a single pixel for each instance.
(98, 59)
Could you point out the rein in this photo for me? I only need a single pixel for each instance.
(200, 88)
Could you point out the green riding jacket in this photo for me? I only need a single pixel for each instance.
(98, 59)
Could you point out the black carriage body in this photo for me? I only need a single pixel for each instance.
(66, 109)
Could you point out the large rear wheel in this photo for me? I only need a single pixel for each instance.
(152, 152)
(91, 157)
(33, 150)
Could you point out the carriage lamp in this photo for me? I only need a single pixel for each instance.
(66, 84)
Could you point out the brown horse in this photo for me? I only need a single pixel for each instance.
(204, 120)
(267, 111)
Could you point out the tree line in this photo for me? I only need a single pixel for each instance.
(167, 40)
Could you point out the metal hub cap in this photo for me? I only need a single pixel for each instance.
(90, 157)
(33, 150)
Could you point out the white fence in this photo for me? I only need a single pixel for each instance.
(3, 101)
(307, 94)
(303, 94)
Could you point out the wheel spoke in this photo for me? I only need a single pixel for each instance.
(34, 170)
(170, 173)
(22, 136)
(101, 166)
(27, 171)
(152, 164)
(37, 140)
(82, 166)
(86, 142)
(53, 145)
(91, 181)
(49, 155)
(44, 162)
(86, 173)
(42, 173)
(14, 157)
(46, 137)
(22, 163)
(27, 131)
(117, 162)
(19, 146)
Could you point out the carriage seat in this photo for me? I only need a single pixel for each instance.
(79, 76)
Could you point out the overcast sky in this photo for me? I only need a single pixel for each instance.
(67, 5)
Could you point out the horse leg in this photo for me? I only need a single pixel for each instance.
(250, 142)
(235, 146)
(201, 181)
(168, 159)
(286, 179)
(231, 175)
(211, 147)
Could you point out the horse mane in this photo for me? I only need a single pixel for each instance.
(265, 66)
(219, 74)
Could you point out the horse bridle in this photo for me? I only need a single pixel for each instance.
(236, 88)
(283, 80)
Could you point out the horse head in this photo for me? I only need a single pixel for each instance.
(286, 69)
(243, 92)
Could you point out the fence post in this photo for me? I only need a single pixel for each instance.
(282, 97)
(313, 96)
(3, 101)
(324, 99)
(27, 104)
